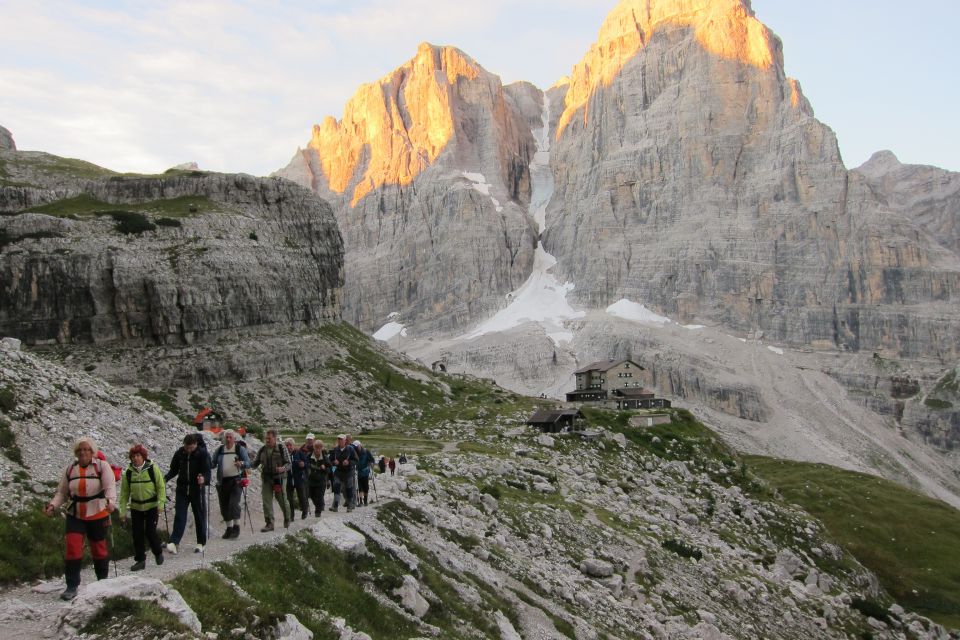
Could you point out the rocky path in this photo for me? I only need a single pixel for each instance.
(28, 612)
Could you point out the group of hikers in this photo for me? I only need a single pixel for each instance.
(291, 476)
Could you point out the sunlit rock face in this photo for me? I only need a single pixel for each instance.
(428, 172)
(692, 176)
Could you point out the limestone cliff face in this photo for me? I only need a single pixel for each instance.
(6, 140)
(263, 256)
(428, 174)
(692, 176)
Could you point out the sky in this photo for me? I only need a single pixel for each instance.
(237, 85)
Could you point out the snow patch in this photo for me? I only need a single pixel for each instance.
(693, 327)
(389, 331)
(481, 185)
(635, 311)
(776, 350)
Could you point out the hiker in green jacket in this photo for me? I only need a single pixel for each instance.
(274, 460)
(143, 487)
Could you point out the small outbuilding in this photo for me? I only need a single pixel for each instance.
(555, 420)
(638, 399)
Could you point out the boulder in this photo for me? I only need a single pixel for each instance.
(91, 597)
(291, 629)
(596, 568)
(410, 598)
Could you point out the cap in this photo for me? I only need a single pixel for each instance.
(358, 443)
(342, 436)
(310, 436)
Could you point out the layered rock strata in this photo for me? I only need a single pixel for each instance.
(262, 256)
(428, 175)
(692, 175)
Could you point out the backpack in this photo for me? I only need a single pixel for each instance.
(117, 471)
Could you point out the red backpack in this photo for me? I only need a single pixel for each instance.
(117, 471)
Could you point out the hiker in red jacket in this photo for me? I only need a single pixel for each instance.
(89, 490)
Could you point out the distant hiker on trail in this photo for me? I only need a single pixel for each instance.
(393, 466)
(143, 486)
(382, 464)
(344, 459)
(318, 474)
(403, 458)
(297, 480)
(231, 462)
(364, 467)
(89, 489)
(191, 467)
(275, 460)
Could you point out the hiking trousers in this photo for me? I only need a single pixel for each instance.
(348, 487)
(268, 495)
(194, 501)
(300, 493)
(230, 492)
(316, 496)
(96, 533)
(143, 525)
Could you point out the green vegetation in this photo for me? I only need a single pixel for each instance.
(8, 443)
(31, 545)
(938, 404)
(170, 210)
(948, 383)
(131, 222)
(423, 393)
(121, 617)
(8, 399)
(168, 222)
(910, 541)
(682, 549)
(303, 576)
(54, 166)
(165, 399)
(219, 606)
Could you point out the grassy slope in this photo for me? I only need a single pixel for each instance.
(910, 541)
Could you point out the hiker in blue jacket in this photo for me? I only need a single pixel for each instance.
(297, 479)
(365, 462)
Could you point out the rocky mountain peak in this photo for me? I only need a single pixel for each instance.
(726, 28)
(880, 163)
(394, 128)
(6, 140)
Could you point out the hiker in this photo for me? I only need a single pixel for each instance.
(191, 467)
(231, 462)
(275, 461)
(318, 474)
(297, 480)
(403, 458)
(393, 466)
(334, 482)
(143, 486)
(307, 447)
(344, 459)
(382, 464)
(89, 489)
(364, 467)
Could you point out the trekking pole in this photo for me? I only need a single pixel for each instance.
(113, 549)
(166, 521)
(206, 524)
(246, 510)
(376, 496)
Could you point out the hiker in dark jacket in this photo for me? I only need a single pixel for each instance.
(365, 463)
(318, 475)
(143, 487)
(231, 461)
(382, 464)
(275, 460)
(344, 459)
(297, 480)
(88, 488)
(191, 467)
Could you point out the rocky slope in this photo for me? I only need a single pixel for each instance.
(692, 176)
(428, 174)
(174, 259)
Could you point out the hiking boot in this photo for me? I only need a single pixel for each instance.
(236, 532)
(159, 559)
(171, 548)
(286, 524)
(334, 508)
(199, 549)
(69, 593)
(228, 533)
(349, 509)
(267, 527)
(139, 566)
(317, 514)
(303, 516)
